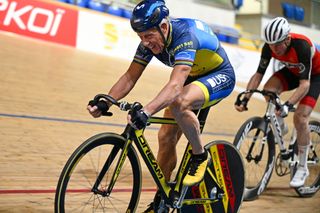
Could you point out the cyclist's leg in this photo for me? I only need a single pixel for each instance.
(203, 92)
(168, 138)
(281, 81)
(301, 123)
(276, 83)
(304, 109)
(301, 119)
(192, 98)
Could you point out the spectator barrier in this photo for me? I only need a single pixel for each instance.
(225, 34)
(292, 11)
(96, 32)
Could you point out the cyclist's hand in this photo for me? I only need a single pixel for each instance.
(94, 111)
(138, 119)
(285, 108)
(98, 109)
(241, 105)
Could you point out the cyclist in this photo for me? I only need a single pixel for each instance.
(301, 72)
(201, 76)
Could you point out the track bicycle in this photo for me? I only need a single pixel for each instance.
(104, 174)
(256, 141)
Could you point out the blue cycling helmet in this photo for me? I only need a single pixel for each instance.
(148, 14)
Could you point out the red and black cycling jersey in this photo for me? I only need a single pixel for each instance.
(302, 58)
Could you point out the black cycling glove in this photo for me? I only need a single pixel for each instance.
(243, 102)
(102, 106)
(139, 119)
(285, 109)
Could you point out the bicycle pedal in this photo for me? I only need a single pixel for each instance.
(281, 166)
(286, 155)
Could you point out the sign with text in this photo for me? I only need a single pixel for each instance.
(39, 20)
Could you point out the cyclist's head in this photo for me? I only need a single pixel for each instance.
(276, 30)
(148, 14)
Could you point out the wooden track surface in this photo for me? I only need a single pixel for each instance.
(44, 89)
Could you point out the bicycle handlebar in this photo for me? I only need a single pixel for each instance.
(271, 95)
(123, 105)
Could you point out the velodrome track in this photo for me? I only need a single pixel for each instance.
(44, 89)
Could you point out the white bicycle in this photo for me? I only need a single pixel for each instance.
(256, 141)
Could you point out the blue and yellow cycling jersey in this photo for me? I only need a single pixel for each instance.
(191, 42)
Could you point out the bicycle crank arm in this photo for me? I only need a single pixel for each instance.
(178, 203)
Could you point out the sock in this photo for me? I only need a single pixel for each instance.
(303, 155)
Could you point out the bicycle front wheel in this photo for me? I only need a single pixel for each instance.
(94, 162)
(257, 148)
(312, 183)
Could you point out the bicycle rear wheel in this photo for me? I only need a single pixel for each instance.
(312, 184)
(78, 177)
(224, 180)
(258, 154)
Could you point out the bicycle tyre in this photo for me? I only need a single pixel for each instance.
(227, 166)
(73, 193)
(312, 184)
(258, 171)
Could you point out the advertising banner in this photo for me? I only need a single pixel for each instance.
(38, 19)
(106, 34)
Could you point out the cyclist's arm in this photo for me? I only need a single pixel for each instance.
(254, 82)
(127, 81)
(170, 91)
(256, 79)
(300, 92)
(122, 87)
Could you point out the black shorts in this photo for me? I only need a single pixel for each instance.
(290, 81)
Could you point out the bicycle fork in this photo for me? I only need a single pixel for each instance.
(106, 166)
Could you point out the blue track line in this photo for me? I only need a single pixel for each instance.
(91, 122)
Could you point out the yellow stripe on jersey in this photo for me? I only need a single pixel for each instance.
(182, 62)
(139, 61)
(205, 61)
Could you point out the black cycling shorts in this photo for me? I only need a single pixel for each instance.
(290, 81)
